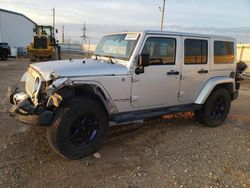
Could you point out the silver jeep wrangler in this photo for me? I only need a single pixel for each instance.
(131, 76)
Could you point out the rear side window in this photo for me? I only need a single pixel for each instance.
(195, 51)
(223, 52)
(161, 50)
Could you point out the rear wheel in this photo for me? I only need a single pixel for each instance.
(57, 53)
(215, 110)
(78, 128)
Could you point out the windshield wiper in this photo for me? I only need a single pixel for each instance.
(108, 56)
(96, 55)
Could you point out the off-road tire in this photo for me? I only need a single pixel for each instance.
(33, 58)
(5, 57)
(204, 115)
(58, 132)
(57, 54)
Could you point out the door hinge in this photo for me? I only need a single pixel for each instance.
(135, 79)
(133, 98)
(180, 94)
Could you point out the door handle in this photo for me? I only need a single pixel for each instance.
(172, 72)
(202, 71)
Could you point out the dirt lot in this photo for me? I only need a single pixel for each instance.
(171, 152)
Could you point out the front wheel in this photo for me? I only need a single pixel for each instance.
(78, 128)
(215, 110)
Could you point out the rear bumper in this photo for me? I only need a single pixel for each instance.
(24, 111)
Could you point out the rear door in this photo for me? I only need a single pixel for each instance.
(195, 67)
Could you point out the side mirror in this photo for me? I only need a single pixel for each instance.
(56, 30)
(144, 60)
(34, 30)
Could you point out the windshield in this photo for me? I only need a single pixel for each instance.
(44, 30)
(120, 46)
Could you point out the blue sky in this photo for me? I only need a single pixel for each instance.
(183, 15)
(194, 13)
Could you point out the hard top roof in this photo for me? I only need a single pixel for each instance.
(156, 32)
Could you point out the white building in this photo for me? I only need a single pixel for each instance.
(15, 28)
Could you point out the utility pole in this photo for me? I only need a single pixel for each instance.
(54, 17)
(0, 29)
(84, 29)
(89, 45)
(162, 10)
(62, 33)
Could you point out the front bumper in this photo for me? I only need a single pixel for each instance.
(41, 52)
(23, 110)
(235, 95)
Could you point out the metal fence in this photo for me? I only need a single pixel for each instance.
(77, 48)
(72, 48)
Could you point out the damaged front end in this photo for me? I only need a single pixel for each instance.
(34, 105)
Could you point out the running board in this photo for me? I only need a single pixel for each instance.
(157, 112)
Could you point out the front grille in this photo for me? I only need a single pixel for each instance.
(40, 42)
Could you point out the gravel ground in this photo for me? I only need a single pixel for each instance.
(174, 151)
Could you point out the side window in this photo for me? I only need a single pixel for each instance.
(195, 51)
(161, 50)
(223, 52)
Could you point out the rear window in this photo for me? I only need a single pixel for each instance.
(195, 51)
(223, 52)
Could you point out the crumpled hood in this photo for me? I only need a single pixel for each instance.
(78, 67)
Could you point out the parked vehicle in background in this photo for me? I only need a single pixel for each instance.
(241, 67)
(4, 50)
(132, 76)
(243, 55)
(44, 45)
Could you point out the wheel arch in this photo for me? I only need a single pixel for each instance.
(83, 89)
(213, 84)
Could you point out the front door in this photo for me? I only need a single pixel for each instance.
(159, 84)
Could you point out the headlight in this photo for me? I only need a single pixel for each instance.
(36, 84)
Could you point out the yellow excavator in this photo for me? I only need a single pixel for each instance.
(44, 45)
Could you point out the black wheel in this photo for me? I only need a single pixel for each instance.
(78, 128)
(215, 110)
(6, 57)
(59, 52)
